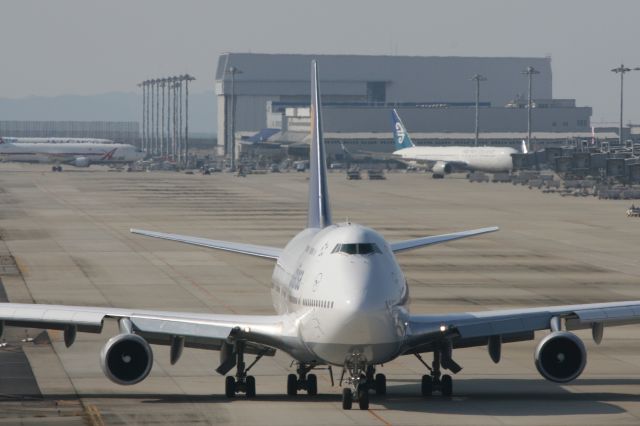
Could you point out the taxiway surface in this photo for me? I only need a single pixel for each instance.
(69, 236)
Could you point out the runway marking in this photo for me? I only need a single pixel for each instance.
(93, 414)
(377, 416)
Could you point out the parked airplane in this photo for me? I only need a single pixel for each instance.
(442, 160)
(341, 299)
(56, 140)
(79, 154)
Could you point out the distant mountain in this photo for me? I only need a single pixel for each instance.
(114, 106)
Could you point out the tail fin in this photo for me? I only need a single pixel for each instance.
(319, 214)
(525, 148)
(400, 135)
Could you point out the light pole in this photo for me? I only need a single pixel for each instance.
(146, 116)
(157, 138)
(168, 144)
(529, 72)
(180, 139)
(233, 71)
(622, 70)
(478, 78)
(144, 104)
(187, 79)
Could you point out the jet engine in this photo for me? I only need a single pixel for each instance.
(126, 359)
(81, 162)
(560, 357)
(440, 169)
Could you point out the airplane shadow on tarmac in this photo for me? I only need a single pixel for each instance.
(492, 397)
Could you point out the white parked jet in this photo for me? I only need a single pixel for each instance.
(444, 159)
(55, 140)
(341, 299)
(79, 154)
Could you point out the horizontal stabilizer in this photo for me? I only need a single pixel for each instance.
(436, 239)
(249, 249)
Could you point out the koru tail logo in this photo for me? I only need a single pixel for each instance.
(399, 133)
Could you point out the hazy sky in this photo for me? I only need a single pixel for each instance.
(53, 47)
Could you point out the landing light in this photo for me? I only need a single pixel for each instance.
(443, 328)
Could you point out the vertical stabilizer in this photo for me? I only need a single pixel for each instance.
(400, 135)
(319, 215)
(524, 148)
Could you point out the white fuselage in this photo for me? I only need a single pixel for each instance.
(83, 153)
(56, 140)
(345, 305)
(489, 159)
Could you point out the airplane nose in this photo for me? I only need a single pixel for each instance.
(360, 322)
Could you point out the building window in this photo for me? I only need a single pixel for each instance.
(376, 92)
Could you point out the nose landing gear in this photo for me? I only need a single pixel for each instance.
(358, 382)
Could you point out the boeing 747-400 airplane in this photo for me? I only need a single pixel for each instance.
(340, 299)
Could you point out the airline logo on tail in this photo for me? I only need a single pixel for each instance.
(109, 155)
(400, 135)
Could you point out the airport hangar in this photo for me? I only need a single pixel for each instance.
(435, 97)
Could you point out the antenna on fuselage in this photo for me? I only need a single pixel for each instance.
(319, 214)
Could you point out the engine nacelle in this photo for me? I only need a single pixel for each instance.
(441, 168)
(560, 357)
(81, 162)
(126, 359)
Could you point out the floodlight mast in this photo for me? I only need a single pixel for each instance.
(187, 79)
(529, 72)
(478, 78)
(233, 71)
(156, 147)
(144, 117)
(622, 70)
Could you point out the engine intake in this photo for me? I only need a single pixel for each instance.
(81, 162)
(440, 169)
(560, 357)
(126, 359)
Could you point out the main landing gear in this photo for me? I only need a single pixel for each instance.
(56, 168)
(303, 381)
(241, 382)
(361, 379)
(435, 381)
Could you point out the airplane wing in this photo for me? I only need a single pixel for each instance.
(248, 249)
(405, 245)
(263, 333)
(475, 328)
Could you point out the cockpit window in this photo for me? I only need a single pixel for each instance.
(359, 248)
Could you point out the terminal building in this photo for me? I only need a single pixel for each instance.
(434, 95)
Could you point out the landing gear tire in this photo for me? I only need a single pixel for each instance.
(347, 399)
(251, 386)
(363, 397)
(230, 387)
(427, 386)
(292, 385)
(312, 384)
(381, 384)
(446, 385)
